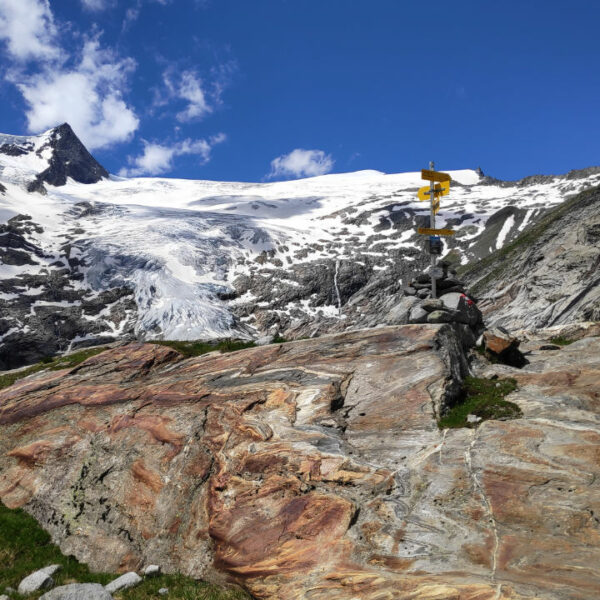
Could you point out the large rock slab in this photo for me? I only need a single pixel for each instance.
(315, 469)
(78, 591)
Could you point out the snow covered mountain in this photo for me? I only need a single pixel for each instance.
(86, 257)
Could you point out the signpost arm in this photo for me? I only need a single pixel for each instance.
(432, 225)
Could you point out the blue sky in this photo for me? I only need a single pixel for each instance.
(257, 90)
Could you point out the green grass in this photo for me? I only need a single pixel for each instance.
(561, 341)
(50, 364)
(25, 547)
(483, 398)
(197, 348)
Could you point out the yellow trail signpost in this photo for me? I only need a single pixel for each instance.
(433, 192)
(429, 231)
(431, 175)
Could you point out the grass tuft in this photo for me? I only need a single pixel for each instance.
(26, 547)
(485, 399)
(561, 341)
(199, 347)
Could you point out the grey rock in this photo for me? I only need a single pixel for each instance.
(439, 316)
(409, 290)
(51, 569)
(399, 314)
(424, 293)
(152, 570)
(124, 582)
(78, 591)
(432, 304)
(38, 580)
(264, 340)
(163, 591)
(417, 315)
(473, 418)
(451, 300)
(466, 311)
(450, 282)
(550, 278)
(454, 288)
(4, 597)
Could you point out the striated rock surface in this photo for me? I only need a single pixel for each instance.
(316, 469)
(549, 275)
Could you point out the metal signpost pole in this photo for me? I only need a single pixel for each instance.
(432, 225)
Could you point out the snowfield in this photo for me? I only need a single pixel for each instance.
(181, 244)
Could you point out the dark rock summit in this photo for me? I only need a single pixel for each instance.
(70, 158)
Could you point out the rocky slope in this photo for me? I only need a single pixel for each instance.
(316, 469)
(550, 275)
(200, 259)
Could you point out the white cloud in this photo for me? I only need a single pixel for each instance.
(190, 89)
(28, 29)
(95, 4)
(88, 96)
(301, 163)
(158, 158)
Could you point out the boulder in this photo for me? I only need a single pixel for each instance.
(152, 571)
(38, 580)
(450, 282)
(424, 293)
(51, 569)
(466, 310)
(127, 580)
(399, 313)
(4, 597)
(417, 314)
(409, 290)
(78, 591)
(163, 591)
(432, 304)
(440, 316)
(498, 341)
(503, 347)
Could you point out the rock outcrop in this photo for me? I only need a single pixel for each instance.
(550, 275)
(68, 158)
(316, 469)
(47, 303)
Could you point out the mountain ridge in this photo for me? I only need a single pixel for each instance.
(199, 259)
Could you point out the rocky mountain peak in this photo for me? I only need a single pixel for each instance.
(50, 157)
(70, 158)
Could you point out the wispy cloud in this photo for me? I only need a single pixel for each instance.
(95, 5)
(158, 158)
(197, 96)
(301, 163)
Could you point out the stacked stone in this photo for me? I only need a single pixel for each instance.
(420, 286)
(452, 305)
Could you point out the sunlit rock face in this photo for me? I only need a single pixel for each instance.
(315, 469)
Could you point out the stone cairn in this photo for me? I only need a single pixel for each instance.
(453, 304)
(420, 286)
